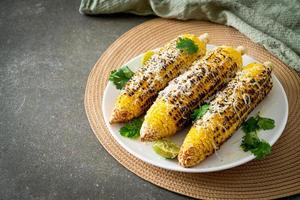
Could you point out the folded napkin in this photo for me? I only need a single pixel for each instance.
(275, 24)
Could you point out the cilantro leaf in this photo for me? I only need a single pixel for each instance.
(257, 123)
(198, 113)
(265, 123)
(251, 141)
(259, 148)
(132, 129)
(121, 76)
(262, 150)
(250, 125)
(187, 45)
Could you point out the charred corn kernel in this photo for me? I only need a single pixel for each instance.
(174, 105)
(164, 65)
(227, 111)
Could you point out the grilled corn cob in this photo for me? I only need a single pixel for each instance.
(175, 103)
(164, 65)
(226, 113)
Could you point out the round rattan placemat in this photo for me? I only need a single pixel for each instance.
(276, 176)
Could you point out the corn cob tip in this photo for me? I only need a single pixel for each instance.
(204, 38)
(187, 158)
(119, 116)
(241, 49)
(147, 133)
(113, 119)
(268, 64)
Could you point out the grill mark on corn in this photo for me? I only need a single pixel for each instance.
(223, 117)
(164, 65)
(202, 73)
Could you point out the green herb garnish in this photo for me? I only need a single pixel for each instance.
(262, 150)
(265, 123)
(121, 76)
(251, 141)
(250, 125)
(132, 129)
(198, 113)
(256, 123)
(187, 45)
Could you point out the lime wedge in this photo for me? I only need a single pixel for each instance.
(166, 149)
(147, 56)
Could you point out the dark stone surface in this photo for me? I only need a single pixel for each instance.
(48, 150)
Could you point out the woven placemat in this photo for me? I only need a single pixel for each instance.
(276, 176)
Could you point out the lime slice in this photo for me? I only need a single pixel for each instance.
(147, 56)
(166, 149)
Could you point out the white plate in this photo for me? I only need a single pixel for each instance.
(274, 106)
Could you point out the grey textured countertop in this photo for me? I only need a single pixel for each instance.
(48, 150)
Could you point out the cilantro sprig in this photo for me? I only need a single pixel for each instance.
(132, 129)
(198, 113)
(265, 123)
(258, 147)
(256, 123)
(187, 45)
(121, 76)
(251, 141)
